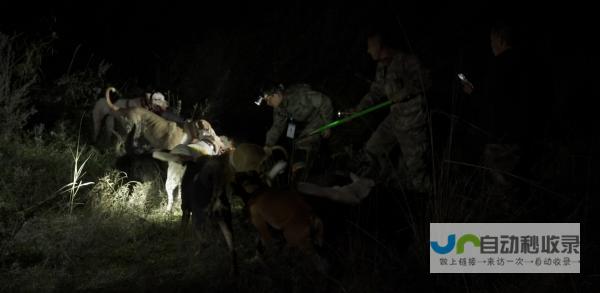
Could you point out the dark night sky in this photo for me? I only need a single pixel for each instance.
(139, 38)
(134, 32)
(121, 31)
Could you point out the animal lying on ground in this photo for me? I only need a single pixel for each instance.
(102, 112)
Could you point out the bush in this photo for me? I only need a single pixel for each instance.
(18, 73)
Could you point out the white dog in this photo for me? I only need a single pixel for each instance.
(206, 144)
(101, 110)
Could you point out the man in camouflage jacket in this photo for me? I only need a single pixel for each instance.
(400, 78)
(305, 108)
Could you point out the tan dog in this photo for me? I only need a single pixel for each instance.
(248, 157)
(283, 210)
(102, 112)
(159, 132)
(206, 144)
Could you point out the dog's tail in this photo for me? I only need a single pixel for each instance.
(276, 169)
(108, 102)
(279, 148)
(269, 167)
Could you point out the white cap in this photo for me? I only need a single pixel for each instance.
(158, 99)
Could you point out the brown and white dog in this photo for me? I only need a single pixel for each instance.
(102, 111)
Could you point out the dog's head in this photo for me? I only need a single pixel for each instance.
(198, 129)
(246, 185)
(204, 128)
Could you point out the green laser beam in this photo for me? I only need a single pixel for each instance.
(346, 119)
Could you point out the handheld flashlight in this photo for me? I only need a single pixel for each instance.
(343, 114)
(259, 100)
(463, 77)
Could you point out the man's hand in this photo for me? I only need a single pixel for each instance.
(346, 112)
(268, 149)
(467, 87)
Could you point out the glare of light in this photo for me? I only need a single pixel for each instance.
(259, 100)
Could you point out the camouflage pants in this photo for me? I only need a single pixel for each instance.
(414, 145)
(305, 150)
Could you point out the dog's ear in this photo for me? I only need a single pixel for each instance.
(353, 177)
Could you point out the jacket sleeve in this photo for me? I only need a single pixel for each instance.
(409, 77)
(323, 110)
(279, 123)
(376, 91)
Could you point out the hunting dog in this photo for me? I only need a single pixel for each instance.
(102, 112)
(205, 194)
(206, 184)
(242, 158)
(159, 132)
(284, 210)
(207, 144)
(248, 157)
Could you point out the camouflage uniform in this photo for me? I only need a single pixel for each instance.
(399, 80)
(309, 110)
